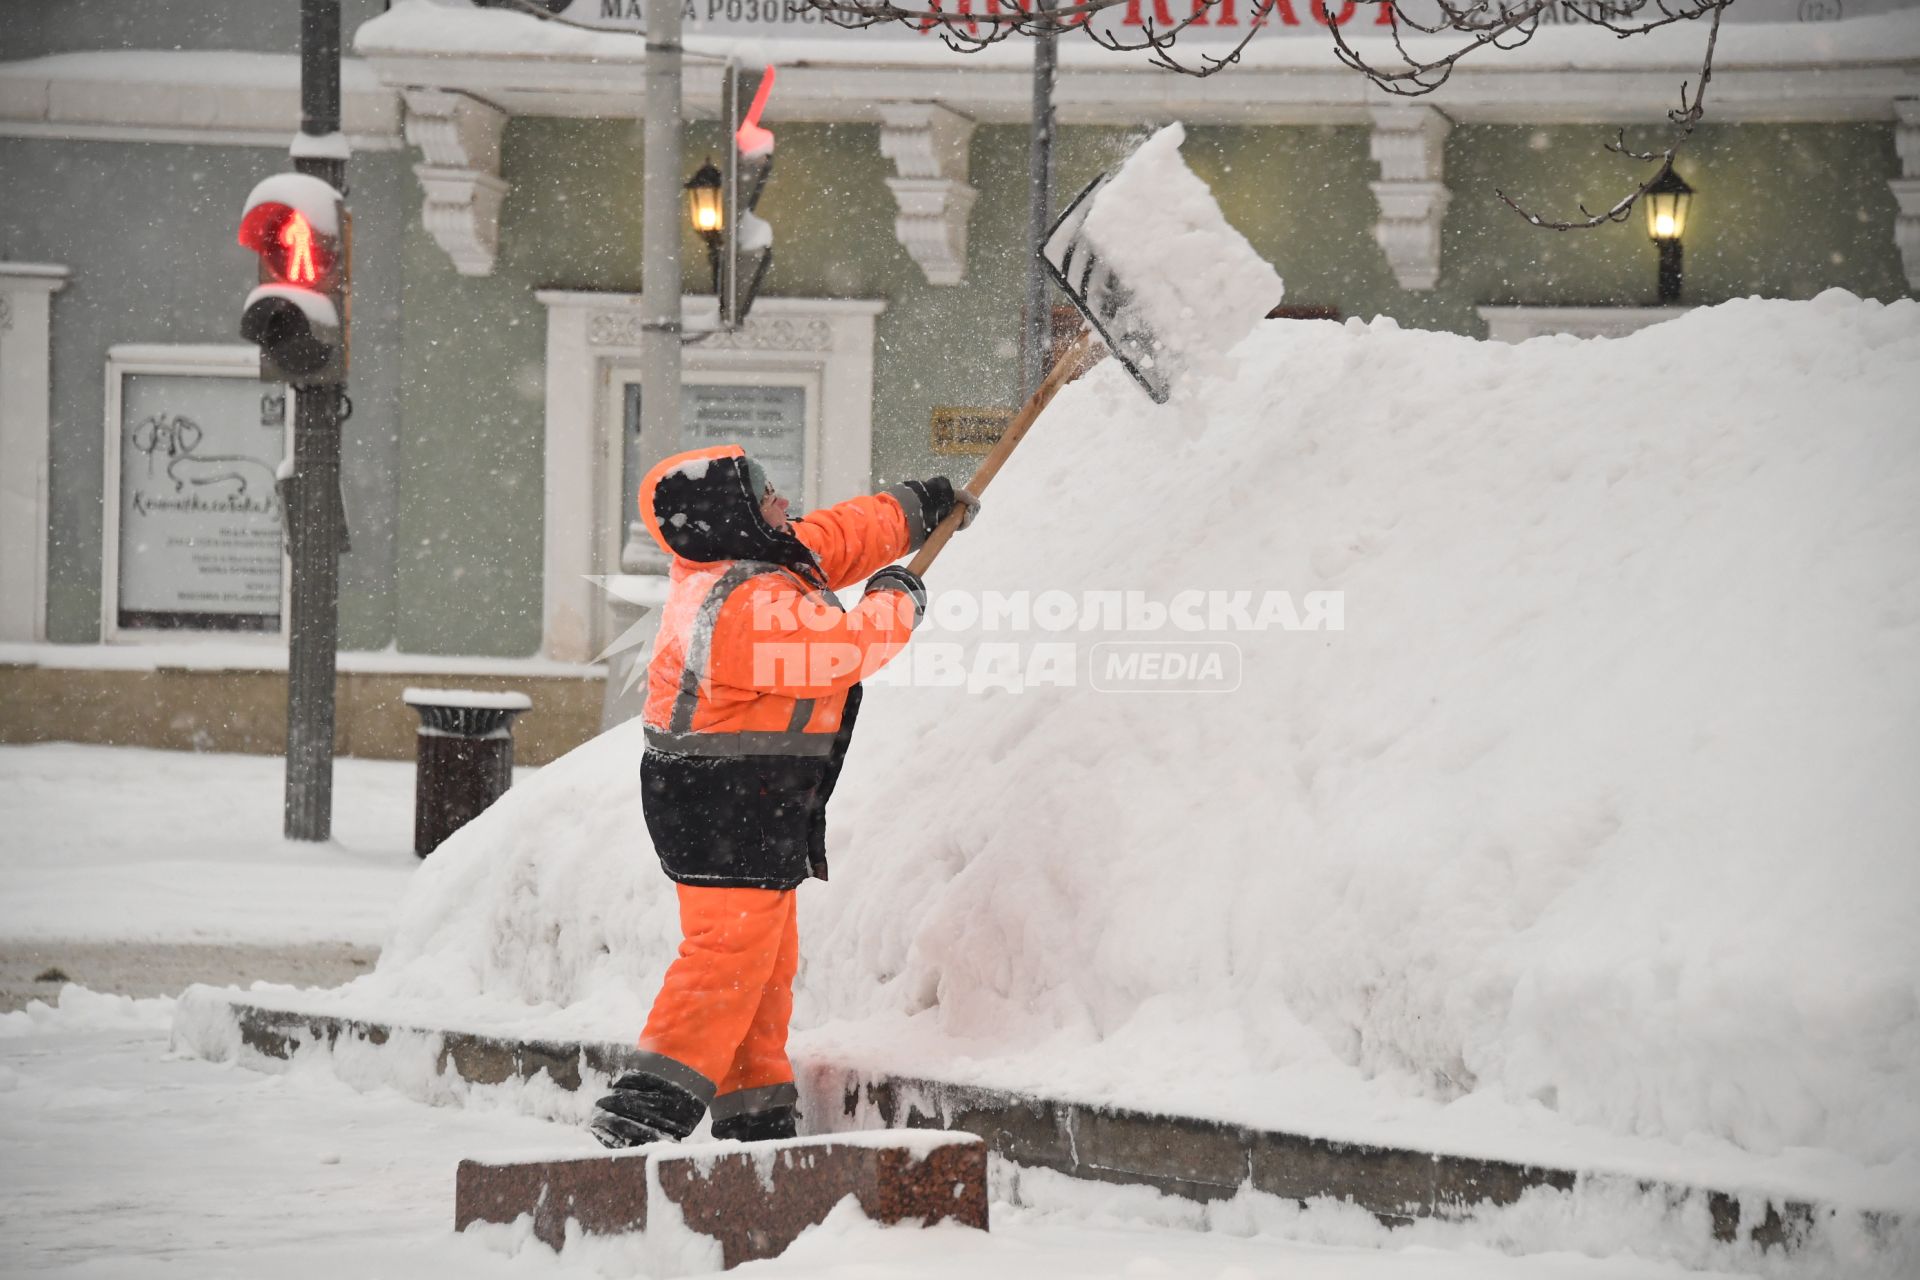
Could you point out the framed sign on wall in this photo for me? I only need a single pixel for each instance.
(800, 360)
(194, 441)
(968, 429)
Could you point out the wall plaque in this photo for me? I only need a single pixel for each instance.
(965, 430)
(199, 517)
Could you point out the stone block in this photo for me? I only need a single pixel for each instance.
(561, 1062)
(604, 1195)
(753, 1199)
(609, 1060)
(1462, 1184)
(275, 1034)
(1395, 1186)
(1028, 1131)
(1198, 1159)
(1772, 1224)
(477, 1058)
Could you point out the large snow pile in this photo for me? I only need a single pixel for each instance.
(1604, 802)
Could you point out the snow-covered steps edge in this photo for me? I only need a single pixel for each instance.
(1196, 1159)
(724, 1203)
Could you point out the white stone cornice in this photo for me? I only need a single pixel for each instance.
(1409, 143)
(459, 140)
(928, 144)
(197, 97)
(1906, 187)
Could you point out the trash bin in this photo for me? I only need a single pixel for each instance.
(465, 758)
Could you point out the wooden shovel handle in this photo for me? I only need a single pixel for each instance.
(990, 465)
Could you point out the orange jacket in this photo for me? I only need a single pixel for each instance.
(745, 642)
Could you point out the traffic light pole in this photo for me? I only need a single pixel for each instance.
(1037, 349)
(660, 205)
(313, 515)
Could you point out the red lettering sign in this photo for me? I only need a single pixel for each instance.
(1217, 13)
(1161, 17)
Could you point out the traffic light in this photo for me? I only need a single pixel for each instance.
(749, 239)
(299, 314)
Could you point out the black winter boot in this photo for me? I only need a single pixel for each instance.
(758, 1126)
(644, 1108)
(618, 1132)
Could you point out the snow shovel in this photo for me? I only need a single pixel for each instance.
(1161, 276)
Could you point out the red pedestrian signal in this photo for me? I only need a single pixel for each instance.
(300, 228)
(288, 248)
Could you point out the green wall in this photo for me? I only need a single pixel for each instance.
(469, 559)
(1781, 212)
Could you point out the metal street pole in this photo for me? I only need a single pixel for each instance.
(315, 527)
(660, 239)
(1039, 343)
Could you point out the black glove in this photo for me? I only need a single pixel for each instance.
(897, 577)
(938, 498)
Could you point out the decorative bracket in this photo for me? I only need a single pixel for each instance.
(1906, 187)
(928, 146)
(1409, 144)
(459, 141)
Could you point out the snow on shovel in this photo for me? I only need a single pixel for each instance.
(1159, 273)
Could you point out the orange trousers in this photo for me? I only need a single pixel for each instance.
(728, 996)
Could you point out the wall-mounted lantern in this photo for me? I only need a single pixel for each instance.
(707, 208)
(1668, 200)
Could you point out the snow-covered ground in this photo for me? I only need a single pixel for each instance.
(125, 1160)
(128, 845)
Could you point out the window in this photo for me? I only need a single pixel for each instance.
(193, 534)
(795, 385)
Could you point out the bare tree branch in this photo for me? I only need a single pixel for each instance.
(963, 27)
(1684, 119)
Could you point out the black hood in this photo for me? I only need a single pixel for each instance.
(701, 506)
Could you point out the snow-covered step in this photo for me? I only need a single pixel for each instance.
(717, 1205)
(1193, 1158)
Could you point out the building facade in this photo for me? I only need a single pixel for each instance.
(496, 189)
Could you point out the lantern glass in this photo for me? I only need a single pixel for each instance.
(1667, 203)
(704, 205)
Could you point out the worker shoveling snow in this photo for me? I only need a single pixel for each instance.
(1539, 782)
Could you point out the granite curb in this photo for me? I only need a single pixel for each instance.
(1196, 1159)
(749, 1202)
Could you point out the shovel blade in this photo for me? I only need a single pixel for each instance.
(1147, 256)
(1100, 295)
